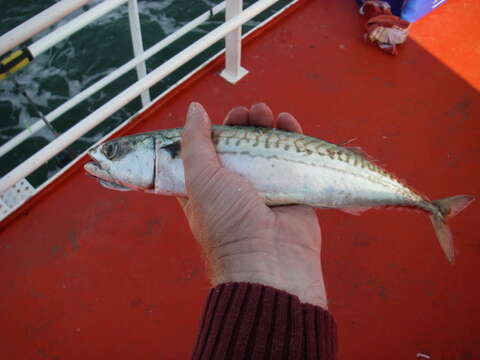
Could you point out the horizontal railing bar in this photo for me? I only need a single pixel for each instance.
(100, 84)
(38, 23)
(67, 138)
(73, 26)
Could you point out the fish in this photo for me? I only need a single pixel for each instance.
(284, 168)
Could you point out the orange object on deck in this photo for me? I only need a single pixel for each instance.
(89, 273)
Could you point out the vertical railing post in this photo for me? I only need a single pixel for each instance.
(137, 42)
(233, 45)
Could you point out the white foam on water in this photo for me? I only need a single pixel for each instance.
(168, 24)
(151, 10)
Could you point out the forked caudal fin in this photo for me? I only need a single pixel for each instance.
(447, 208)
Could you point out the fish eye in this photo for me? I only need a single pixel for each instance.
(109, 150)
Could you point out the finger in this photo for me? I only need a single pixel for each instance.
(261, 115)
(237, 116)
(287, 122)
(198, 151)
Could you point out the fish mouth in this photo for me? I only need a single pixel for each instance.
(95, 170)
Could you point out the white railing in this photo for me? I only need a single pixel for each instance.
(73, 26)
(136, 33)
(233, 46)
(38, 23)
(233, 72)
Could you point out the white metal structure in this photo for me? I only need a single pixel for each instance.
(38, 23)
(233, 47)
(230, 28)
(73, 26)
(137, 42)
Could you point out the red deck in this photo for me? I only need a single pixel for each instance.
(88, 273)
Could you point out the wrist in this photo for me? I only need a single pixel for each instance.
(264, 269)
(251, 267)
(314, 294)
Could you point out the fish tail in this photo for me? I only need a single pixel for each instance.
(447, 208)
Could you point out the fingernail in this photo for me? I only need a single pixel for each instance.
(195, 112)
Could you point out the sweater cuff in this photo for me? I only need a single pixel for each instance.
(264, 323)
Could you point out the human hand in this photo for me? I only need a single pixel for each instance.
(243, 239)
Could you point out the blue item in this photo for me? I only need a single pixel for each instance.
(396, 5)
(411, 10)
(415, 9)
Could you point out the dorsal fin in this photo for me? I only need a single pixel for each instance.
(344, 144)
(359, 151)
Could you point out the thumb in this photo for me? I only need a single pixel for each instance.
(198, 152)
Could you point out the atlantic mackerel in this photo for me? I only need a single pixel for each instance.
(284, 167)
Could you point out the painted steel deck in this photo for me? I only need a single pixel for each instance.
(88, 273)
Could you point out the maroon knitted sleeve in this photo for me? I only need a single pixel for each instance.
(252, 321)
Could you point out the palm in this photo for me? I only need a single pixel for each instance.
(245, 240)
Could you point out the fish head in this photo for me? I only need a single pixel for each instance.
(126, 163)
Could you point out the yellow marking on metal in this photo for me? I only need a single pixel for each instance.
(7, 60)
